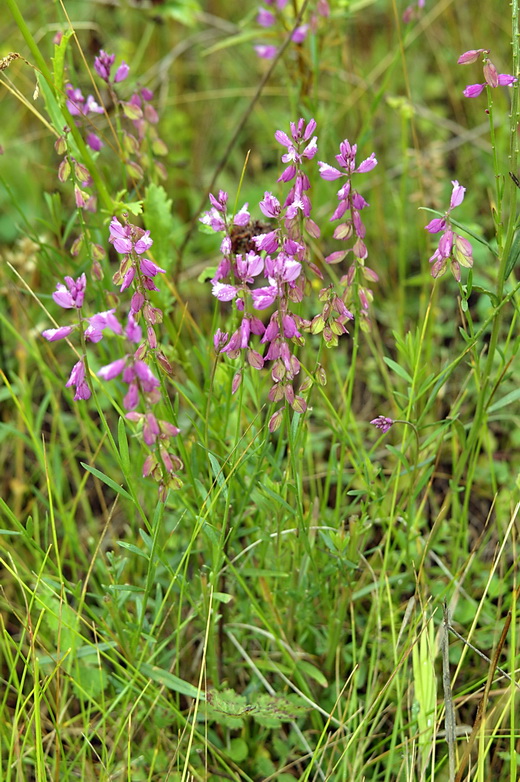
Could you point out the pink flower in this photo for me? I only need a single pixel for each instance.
(71, 294)
(265, 18)
(451, 249)
(266, 52)
(492, 78)
(383, 423)
(77, 379)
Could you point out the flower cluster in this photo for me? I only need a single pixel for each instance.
(413, 12)
(275, 17)
(265, 265)
(103, 66)
(351, 203)
(71, 295)
(492, 78)
(452, 247)
(143, 387)
(383, 423)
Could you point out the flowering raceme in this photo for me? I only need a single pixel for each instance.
(492, 78)
(452, 248)
(71, 296)
(351, 203)
(276, 17)
(267, 265)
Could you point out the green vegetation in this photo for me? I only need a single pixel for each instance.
(302, 595)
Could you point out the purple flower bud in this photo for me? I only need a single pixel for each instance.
(471, 56)
(265, 18)
(275, 421)
(367, 165)
(328, 172)
(224, 292)
(473, 90)
(237, 379)
(436, 225)
(490, 73)
(77, 379)
(219, 340)
(112, 370)
(266, 52)
(383, 423)
(133, 331)
(149, 268)
(457, 195)
(242, 217)
(264, 297)
(94, 142)
(270, 205)
(122, 72)
(103, 63)
(53, 335)
(300, 34)
(506, 80)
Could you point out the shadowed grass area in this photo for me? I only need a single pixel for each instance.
(306, 596)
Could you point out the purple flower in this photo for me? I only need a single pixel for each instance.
(77, 379)
(103, 66)
(53, 335)
(383, 423)
(452, 248)
(122, 72)
(265, 18)
(491, 76)
(78, 106)
(129, 238)
(471, 56)
(100, 321)
(94, 142)
(224, 292)
(300, 34)
(71, 294)
(266, 52)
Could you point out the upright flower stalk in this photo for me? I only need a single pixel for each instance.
(266, 265)
(350, 204)
(452, 249)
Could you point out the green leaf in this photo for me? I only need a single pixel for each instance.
(219, 475)
(58, 61)
(514, 255)
(171, 681)
(106, 480)
(159, 221)
(398, 369)
(228, 702)
(238, 750)
(506, 400)
(312, 672)
(123, 444)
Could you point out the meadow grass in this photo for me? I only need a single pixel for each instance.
(309, 597)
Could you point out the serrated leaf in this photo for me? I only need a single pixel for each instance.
(58, 61)
(158, 219)
(228, 702)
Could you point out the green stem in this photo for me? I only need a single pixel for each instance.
(49, 78)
